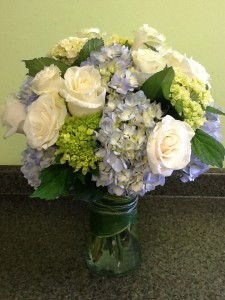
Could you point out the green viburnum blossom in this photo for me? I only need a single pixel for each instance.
(76, 142)
(120, 40)
(190, 97)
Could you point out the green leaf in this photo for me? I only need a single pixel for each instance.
(105, 218)
(207, 149)
(88, 191)
(56, 181)
(158, 85)
(95, 172)
(127, 44)
(214, 110)
(80, 176)
(150, 47)
(105, 225)
(157, 88)
(37, 64)
(179, 106)
(94, 44)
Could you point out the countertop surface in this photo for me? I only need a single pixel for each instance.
(43, 244)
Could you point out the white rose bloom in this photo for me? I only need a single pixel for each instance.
(148, 36)
(173, 58)
(88, 33)
(47, 81)
(169, 146)
(45, 117)
(186, 65)
(193, 68)
(13, 115)
(83, 91)
(148, 61)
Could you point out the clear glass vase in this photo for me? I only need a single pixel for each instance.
(113, 248)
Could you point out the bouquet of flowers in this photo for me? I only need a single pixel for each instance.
(116, 116)
(112, 119)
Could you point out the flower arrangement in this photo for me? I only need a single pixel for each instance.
(115, 116)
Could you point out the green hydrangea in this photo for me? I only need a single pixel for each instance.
(190, 97)
(76, 142)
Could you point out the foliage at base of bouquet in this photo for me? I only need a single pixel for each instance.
(61, 180)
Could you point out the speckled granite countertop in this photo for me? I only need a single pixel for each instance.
(182, 237)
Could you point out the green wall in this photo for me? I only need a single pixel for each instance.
(29, 28)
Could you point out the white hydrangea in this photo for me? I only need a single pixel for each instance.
(68, 49)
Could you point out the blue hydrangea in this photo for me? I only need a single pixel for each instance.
(119, 55)
(196, 167)
(212, 126)
(34, 162)
(151, 181)
(26, 95)
(125, 126)
(117, 60)
(123, 81)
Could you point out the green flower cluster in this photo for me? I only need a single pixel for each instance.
(76, 142)
(190, 97)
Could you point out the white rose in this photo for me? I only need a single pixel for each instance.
(147, 36)
(194, 69)
(186, 65)
(173, 58)
(13, 115)
(169, 146)
(83, 91)
(88, 33)
(148, 61)
(45, 117)
(47, 81)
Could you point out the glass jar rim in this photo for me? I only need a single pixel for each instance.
(112, 204)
